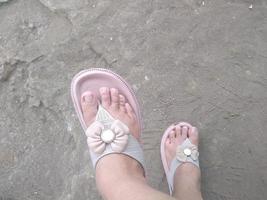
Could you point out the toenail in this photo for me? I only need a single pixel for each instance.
(103, 90)
(88, 98)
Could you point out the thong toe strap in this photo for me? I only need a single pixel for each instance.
(186, 152)
(108, 135)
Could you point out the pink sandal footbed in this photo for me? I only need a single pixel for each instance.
(94, 78)
(106, 135)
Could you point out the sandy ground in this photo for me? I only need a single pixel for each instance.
(200, 61)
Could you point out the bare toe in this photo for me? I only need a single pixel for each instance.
(105, 96)
(89, 106)
(114, 98)
(178, 130)
(122, 103)
(179, 135)
(129, 110)
(172, 136)
(184, 132)
(193, 135)
(170, 145)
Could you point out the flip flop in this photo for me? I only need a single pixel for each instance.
(186, 152)
(106, 135)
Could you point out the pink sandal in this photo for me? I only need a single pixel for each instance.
(186, 152)
(106, 135)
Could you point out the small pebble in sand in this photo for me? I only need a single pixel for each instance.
(196, 11)
(69, 128)
(30, 25)
(248, 72)
(251, 6)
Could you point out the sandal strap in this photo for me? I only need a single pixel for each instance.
(186, 152)
(108, 135)
(133, 150)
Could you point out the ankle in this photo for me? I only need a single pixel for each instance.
(188, 170)
(115, 170)
(119, 164)
(187, 175)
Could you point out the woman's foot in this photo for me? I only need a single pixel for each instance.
(176, 137)
(114, 169)
(115, 103)
(187, 175)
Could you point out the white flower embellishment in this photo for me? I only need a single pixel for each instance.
(187, 151)
(98, 137)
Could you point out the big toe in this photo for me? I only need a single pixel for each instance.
(88, 100)
(170, 146)
(193, 135)
(89, 106)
